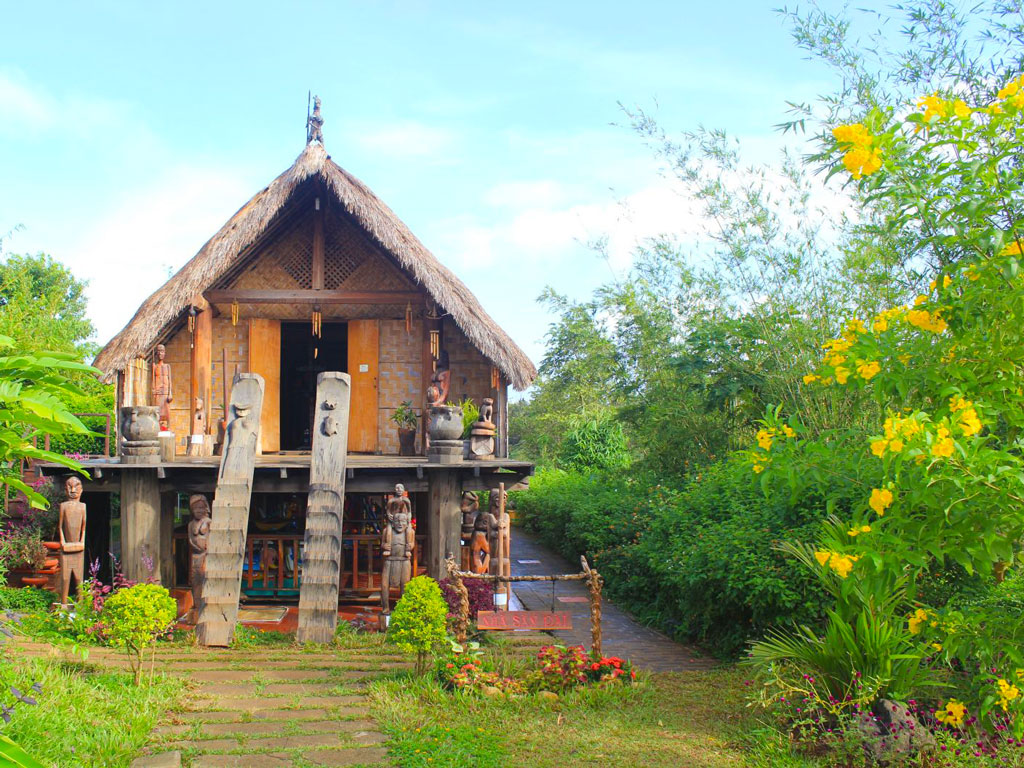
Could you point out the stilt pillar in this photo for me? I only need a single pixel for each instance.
(140, 523)
(445, 520)
(168, 501)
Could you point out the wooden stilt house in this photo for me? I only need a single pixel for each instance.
(314, 273)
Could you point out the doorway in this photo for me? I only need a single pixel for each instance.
(303, 358)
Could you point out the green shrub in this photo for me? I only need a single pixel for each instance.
(595, 444)
(134, 617)
(418, 622)
(699, 561)
(25, 599)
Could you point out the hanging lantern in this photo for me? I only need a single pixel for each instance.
(408, 317)
(192, 319)
(234, 312)
(317, 328)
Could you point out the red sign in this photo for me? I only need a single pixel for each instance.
(523, 620)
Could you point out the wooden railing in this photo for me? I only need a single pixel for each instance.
(269, 567)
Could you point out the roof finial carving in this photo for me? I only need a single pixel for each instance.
(315, 124)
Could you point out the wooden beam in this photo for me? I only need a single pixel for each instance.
(165, 565)
(318, 243)
(300, 484)
(302, 296)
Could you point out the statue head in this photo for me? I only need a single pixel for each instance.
(199, 403)
(199, 506)
(400, 491)
(161, 353)
(399, 523)
(73, 488)
(496, 500)
(469, 500)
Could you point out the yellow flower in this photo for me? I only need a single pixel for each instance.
(946, 281)
(896, 445)
(961, 110)
(969, 422)
(1007, 693)
(842, 564)
(868, 370)
(957, 403)
(1011, 88)
(878, 447)
(810, 377)
(854, 327)
(842, 374)
(788, 431)
(921, 299)
(837, 345)
(881, 499)
(880, 324)
(937, 646)
(952, 714)
(972, 273)
(943, 446)
(822, 556)
(914, 623)
(1013, 249)
(855, 531)
(764, 439)
(934, 106)
(926, 321)
(758, 469)
(852, 133)
(834, 359)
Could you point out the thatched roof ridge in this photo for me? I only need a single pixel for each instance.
(221, 251)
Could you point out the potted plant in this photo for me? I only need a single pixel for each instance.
(407, 420)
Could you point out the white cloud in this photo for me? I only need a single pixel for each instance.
(406, 138)
(152, 230)
(22, 106)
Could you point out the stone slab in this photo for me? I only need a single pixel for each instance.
(267, 760)
(341, 757)
(160, 760)
(233, 716)
(252, 703)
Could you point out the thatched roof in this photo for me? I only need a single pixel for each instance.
(166, 306)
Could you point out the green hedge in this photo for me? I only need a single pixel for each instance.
(697, 561)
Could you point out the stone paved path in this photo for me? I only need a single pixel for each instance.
(266, 707)
(620, 634)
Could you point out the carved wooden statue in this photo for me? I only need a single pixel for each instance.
(487, 413)
(230, 521)
(71, 526)
(470, 508)
(481, 437)
(198, 541)
(484, 530)
(199, 418)
(322, 554)
(162, 392)
(315, 124)
(397, 543)
(440, 382)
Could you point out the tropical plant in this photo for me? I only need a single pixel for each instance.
(940, 476)
(405, 417)
(135, 617)
(417, 624)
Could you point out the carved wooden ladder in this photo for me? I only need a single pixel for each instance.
(322, 554)
(222, 588)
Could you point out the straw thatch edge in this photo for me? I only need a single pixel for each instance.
(165, 307)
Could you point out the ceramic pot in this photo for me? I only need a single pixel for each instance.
(140, 423)
(53, 546)
(445, 422)
(407, 442)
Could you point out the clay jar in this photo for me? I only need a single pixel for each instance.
(140, 423)
(445, 422)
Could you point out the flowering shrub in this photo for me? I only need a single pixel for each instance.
(134, 617)
(941, 477)
(608, 669)
(481, 596)
(418, 622)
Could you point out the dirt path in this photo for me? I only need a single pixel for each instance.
(621, 635)
(266, 707)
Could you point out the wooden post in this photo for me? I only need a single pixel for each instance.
(318, 241)
(445, 518)
(168, 501)
(462, 617)
(323, 555)
(230, 520)
(140, 522)
(594, 582)
(506, 544)
(201, 372)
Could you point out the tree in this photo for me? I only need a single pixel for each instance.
(43, 306)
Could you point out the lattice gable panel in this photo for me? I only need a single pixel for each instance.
(378, 274)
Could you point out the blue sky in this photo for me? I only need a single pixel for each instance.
(130, 132)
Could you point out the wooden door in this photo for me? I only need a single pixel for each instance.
(265, 359)
(363, 353)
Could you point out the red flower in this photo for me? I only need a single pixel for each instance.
(595, 667)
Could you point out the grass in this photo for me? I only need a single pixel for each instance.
(85, 716)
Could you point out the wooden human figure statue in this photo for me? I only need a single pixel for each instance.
(484, 530)
(440, 382)
(397, 543)
(162, 393)
(470, 508)
(71, 526)
(198, 540)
